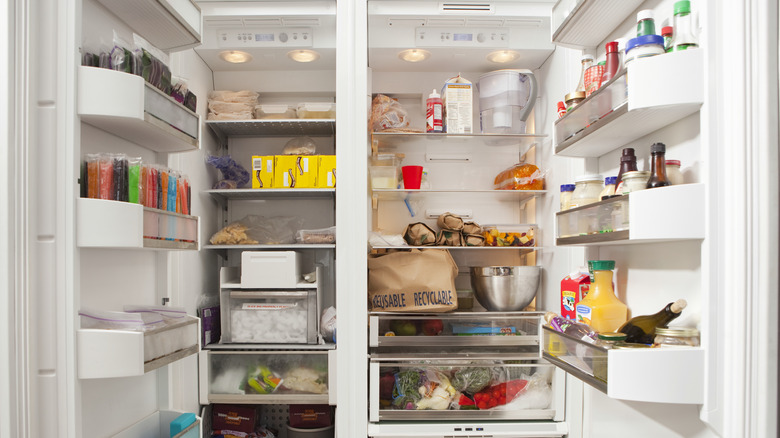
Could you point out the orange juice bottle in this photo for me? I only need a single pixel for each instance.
(601, 309)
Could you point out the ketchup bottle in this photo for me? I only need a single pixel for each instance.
(434, 113)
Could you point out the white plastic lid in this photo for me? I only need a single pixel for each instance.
(433, 95)
(644, 14)
(592, 177)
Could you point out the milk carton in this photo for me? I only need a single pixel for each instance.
(574, 287)
(457, 96)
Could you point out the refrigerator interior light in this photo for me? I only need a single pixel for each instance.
(502, 56)
(414, 55)
(235, 56)
(303, 55)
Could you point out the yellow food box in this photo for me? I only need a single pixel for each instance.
(295, 171)
(326, 173)
(262, 171)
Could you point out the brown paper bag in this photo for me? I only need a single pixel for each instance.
(412, 281)
(473, 240)
(449, 238)
(471, 228)
(419, 234)
(449, 221)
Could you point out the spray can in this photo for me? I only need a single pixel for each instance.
(434, 113)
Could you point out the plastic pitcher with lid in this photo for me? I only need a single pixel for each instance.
(506, 98)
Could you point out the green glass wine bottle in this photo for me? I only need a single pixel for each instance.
(641, 329)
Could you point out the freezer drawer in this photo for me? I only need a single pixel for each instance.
(269, 317)
(458, 329)
(267, 377)
(464, 388)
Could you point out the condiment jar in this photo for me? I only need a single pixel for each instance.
(610, 339)
(609, 187)
(573, 99)
(676, 337)
(644, 46)
(586, 190)
(566, 192)
(635, 180)
(673, 172)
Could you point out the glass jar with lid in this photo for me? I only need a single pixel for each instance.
(610, 339)
(644, 46)
(634, 181)
(676, 337)
(673, 172)
(587, 189)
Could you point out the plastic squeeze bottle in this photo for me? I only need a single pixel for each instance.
(434, 113)
(601, 309)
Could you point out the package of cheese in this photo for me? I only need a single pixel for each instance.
(457, 95)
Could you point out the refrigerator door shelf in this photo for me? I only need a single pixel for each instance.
(661, 90)
(125, 105)
(158, 424)
(639, 217)
(169, 25)
(583, 24)
(122, 353)
(661, 375)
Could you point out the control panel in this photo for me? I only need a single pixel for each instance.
(461, 37)
(245, 37)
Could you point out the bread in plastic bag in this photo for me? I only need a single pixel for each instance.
(245, 96)
(300, 146)
(521, 176)
(259, 230)
(387, 113)
(231, 171)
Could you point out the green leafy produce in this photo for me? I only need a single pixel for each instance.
(406, 389)
(471, 380)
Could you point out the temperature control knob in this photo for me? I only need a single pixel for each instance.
(283, 37)
(481, 37)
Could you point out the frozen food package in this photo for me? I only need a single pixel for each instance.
(163, 192)
(106, 177)
(120, 55)
(179, 89)
(386, 114)
(134, 179)
(120, 192)
(108, 320)
(191, 101)
(92, 181)
(305, 379)
(231, 171)
(169, 314)
(229, 116)
(182, 203)
(245, 97)
(300, 146)
(275, 112)
(220, 107)
(262, 380)
(322, 235)
(521, 176)
(172, 188)
(253, 230)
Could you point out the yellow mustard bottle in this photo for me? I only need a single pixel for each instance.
(601, 309)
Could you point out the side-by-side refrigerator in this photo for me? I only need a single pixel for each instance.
(284, 159)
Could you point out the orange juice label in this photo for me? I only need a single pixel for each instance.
(584, 314)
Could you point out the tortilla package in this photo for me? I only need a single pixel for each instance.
(412, 281)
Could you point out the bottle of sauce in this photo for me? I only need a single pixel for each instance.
(434, 113)
(641, 329)
(684, 37)
(627, 164)
(601, 309)
(613, 62)
(658, 176)
(609, 187)
(667, 32)
(645, 22)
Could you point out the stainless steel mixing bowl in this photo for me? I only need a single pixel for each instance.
(505, 288)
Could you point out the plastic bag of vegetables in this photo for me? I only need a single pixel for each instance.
(471, 380)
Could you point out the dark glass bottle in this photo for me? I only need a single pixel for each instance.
(613, 62)
(658, 176)
(627, 164)
(641, 329)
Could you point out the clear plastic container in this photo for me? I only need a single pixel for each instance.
(644, 46)
(635, 180)
(673, 172)
(587, 189)
(509, 235)
(317, 110)
(320, 236)
(275, 111)
(566, 192)
(384, 177)
(676, 337)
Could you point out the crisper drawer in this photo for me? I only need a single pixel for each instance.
(269, 317)
(455, 329)
(477, 387)
(267, 377)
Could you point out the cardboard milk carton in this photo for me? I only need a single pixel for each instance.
(457, 96)
(574, 287)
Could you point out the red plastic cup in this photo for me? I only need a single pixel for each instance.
(412, 176)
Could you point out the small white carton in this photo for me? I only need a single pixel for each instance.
(270, 269)
(457, 96)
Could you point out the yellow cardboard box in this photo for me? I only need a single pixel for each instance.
(295, 171)
(326, 173)
(262, 171)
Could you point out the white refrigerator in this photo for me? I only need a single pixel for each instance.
(711, 241)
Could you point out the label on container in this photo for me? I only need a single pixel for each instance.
(261, 306)
(584, 314)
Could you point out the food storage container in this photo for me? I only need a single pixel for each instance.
(384, 177)
(270, 269)
(320, 236)
(317, 110)
(310, 416)
(465, 299)
(510, 235)
(587, 189)
(266, 377)
(269, 317)
(635, 180)
(676, 337)
(644, 46)
(573, 99)
(319, 432)
(673, 172)
(274, 111)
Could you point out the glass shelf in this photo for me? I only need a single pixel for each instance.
(279, 246)
(278, 128)
(394, 140)
(222, 195)
(499, 195)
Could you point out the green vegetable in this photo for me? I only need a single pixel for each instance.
(471, 380)
(406, 388)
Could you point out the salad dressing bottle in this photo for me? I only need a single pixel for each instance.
(601, 309)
